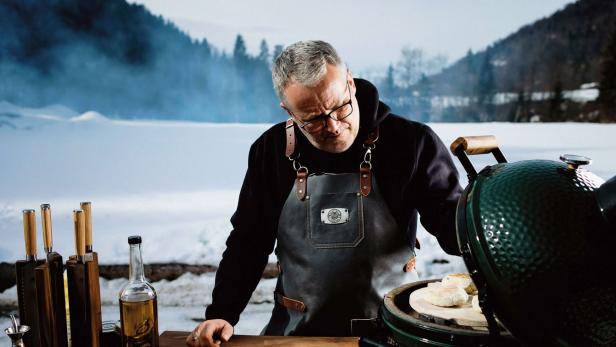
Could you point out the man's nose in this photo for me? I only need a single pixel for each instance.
(332, 125)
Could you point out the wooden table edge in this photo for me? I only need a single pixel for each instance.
(178, 339)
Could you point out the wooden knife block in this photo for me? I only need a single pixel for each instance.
(27, 299)
(46, 321)
(49, 283)
(84, 301)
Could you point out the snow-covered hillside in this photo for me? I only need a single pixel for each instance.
(176, 185)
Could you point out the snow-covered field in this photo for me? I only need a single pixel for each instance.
(176, 185)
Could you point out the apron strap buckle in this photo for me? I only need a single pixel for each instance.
(365, 178)
(410, 264)
(302, 182)
(290, 303)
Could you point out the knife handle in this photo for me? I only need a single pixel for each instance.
(47, 232)
(87, 209)
(80, 231)
(30, 234)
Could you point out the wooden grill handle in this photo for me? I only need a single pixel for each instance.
(475, 144)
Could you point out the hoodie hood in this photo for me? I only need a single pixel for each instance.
(371, 111)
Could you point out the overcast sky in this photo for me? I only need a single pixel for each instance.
(368, 34)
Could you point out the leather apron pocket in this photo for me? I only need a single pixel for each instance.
(335, 220)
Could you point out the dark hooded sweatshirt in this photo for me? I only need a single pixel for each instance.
(413, 169)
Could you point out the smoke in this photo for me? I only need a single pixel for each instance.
(120, 60)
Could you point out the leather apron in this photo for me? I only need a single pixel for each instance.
(333, 241)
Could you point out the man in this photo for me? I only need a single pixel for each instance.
(338, 187)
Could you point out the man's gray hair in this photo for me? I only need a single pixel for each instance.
(304, 62)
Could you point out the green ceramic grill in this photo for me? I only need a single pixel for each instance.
(537, 236)
(409, 328)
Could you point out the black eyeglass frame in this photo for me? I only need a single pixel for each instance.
(323, 117)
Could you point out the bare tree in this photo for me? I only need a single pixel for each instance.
(414, 63)
(435, 64)
(410, 66)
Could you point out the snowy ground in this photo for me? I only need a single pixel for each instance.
(176, 184)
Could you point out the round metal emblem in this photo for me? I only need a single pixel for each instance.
(334, 215)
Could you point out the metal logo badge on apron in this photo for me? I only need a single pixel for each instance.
(334, 215)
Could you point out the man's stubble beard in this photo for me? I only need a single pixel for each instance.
(330, 141)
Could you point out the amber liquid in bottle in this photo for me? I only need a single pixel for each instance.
(138, 309)
(139, 323)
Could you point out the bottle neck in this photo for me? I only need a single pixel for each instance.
(135, 268)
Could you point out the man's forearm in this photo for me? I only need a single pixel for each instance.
(236, 278)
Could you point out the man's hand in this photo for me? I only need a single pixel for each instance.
(210, 333)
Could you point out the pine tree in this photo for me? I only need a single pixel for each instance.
(555, 113)
(276, 53)
(486, 88)
(519, 109)
(607, 88)
(470, 73)
(239, 49)
(389, 84)
(425, 99)
(263, 51)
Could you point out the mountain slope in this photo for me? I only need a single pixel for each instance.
(564, 47)
(119, 59)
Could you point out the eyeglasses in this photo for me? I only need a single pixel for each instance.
(319, 122)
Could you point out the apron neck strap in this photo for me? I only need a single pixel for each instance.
(373, 136)
(290, 150)
(365, 168)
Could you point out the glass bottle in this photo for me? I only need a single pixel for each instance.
(138, 311)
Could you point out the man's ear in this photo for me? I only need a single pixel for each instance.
(351, 81)
(286, 109)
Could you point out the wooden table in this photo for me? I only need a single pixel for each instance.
(178, 339)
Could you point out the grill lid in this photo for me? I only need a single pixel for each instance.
(535, 240)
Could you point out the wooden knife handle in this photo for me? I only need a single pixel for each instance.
(475, 144)
(30, 233)
(80, 231)
(87, 209)
(47, 232)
